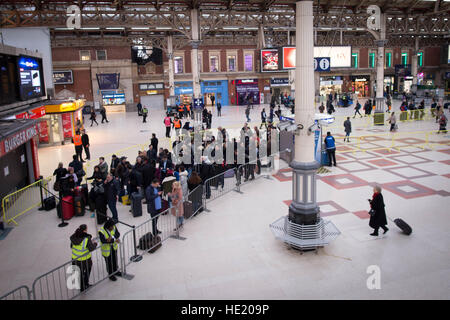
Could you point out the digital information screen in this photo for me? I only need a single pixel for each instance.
(30, 78)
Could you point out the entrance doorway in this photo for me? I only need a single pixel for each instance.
(207, 99)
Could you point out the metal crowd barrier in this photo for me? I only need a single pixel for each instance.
(21, 293)
(22, 201)
(67, 282)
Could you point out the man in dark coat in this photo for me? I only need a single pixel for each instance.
(86, 144)
(114, 163)
(348, 129)
(378, 218)
(154, 142)
(103, 113)
(154, 203)
(112, 189)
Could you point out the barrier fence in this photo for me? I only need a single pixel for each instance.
(22, 201)
(20, 293)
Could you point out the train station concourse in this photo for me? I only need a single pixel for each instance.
(224, 150)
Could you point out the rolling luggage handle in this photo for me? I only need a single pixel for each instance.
(401, 224)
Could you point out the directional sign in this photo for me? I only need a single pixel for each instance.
(322, 64)
(198, 103)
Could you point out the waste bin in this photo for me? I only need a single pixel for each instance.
(325, 160)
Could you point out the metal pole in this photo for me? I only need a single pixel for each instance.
(62, 224)
(42, 195)
(136, 257)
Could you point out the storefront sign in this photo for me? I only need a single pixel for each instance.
(17, 139)
(110, 98)
(360, 79)
(32, 114)
(67, 125)
(43, 132)
(152, 92)
(246, 81)
(63, 77)
(151, 86)
(279, 82)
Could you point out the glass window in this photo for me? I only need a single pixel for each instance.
(101, 54)
(248, 62)
(354, 60)
(371, 60)
(178, 64)
(231, 63)
(388, 61)
(214, 63)
(404, 58)
(85, 55)
(420, 59)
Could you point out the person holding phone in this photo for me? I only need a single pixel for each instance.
(153, 197)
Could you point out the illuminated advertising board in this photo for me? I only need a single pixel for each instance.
(340, 56)
(269, 60)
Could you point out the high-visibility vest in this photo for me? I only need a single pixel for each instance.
(180, 108)
(106, 247)
(177, 124)
(77, 140)
(188, 106)
(80, 252)
(167, 121)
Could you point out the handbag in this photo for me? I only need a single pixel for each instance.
(371, 212)
(57, 186)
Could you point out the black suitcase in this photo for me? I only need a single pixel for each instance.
(49, 203)
(403, 226)
(100, 209)
(188, 209)
(149, 242)
(80, 207)
(136, 204)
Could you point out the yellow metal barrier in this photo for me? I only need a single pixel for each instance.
(21, 201)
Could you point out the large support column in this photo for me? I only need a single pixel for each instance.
(414, 62)
(379, 100)
(303, 209)
(195, 43)
(171, 71)
(195, 29)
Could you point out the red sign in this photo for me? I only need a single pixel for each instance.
(269, 60)
(34, 152)
(17, 139)
(43, 132)
(32, 114)
(67, 125)
(288, 57)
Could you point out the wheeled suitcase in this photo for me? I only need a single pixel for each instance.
(49, 203)
(67, 207)
(155, 244)
(188, 209)
(100, 209)
(149, 242)
(136, 204)
(403, 226)
(80, 207)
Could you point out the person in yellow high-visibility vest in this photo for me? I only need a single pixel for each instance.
(82, 245)
(109, 239)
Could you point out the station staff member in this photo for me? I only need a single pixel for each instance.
(82, 245)
(78, 142)
(177, 125)
(331, 148)
(109, 239)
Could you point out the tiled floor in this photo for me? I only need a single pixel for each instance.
(230, 253)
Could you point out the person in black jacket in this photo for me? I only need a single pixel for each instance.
(378, 218)
(206, 172)
(85, 266)
(60, 172)
(76, 164)
(164, 165)
(151, 153)
(86, 145)
(154, 203)
(112, 189)
(154, 142)
(114, 163)
(148, 172)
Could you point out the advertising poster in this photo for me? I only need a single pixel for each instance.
(340, 56)
(269, 60)
(288, 58)
(63, 77)
(30, 78)
(67, 125)
(43, 132)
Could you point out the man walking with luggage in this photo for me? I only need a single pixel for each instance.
(153, 197)
(78, 145)
(85, 142)
(331, 148)
(109, 239)
(348, 129)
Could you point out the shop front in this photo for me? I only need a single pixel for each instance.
(361, 86)
(330, 85)
(280, 87)
(19, 164)
(60, 122)
(389, 84)
(208, 88)
(114, 101)
(247, 90)
(151, 95)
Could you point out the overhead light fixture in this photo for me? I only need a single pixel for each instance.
(230, 28)
(115, 28)
(163, 28)
(140, 28)
(91, 28)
